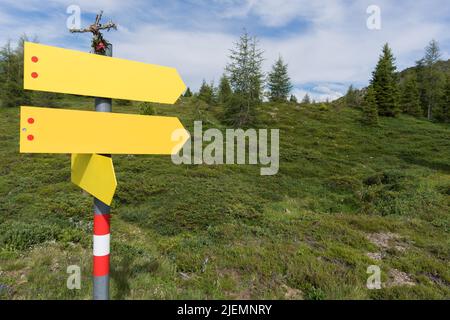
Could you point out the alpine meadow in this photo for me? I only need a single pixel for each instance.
(362, 186)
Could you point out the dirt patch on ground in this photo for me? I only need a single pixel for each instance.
(378, 256)
(292, 293)
(385, 241)
(399, 278)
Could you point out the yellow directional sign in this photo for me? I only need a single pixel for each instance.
(45, 130)
(67, 71)
(95, 174)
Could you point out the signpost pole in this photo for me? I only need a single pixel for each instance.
(92, 170)
(102, 224)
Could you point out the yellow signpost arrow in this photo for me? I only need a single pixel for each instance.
(87, 135)
(60, 70)
(95, 174)
(91, 137)
(49, 130)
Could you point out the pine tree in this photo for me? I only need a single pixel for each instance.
(293, 99)
(224, 92)
(245, 74)
(206, 93)
(279, 83)
(306, 99)
(351, 98)
(370, 112)
(385, 86)
(188, 93)
(410, 97)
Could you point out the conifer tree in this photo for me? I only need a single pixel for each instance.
(224, 91)
(306, 99)
(370, 112)
(245, 74)
(431, 78)
(384, 83)
(410, 98)
(188, 93)
(351, 98)
(279, 83)
(293, 99)
(206, 93)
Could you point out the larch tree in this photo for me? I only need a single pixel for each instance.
(431, 78)
(244, 72)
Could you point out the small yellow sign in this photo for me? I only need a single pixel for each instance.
(61, 70)
(48, 130)
(95, 174)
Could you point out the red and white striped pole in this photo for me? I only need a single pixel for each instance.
(101, 250)
(102, 223)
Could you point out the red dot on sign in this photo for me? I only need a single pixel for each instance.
(34, 59)
(34, 75)
(30, 120)
(30, 137)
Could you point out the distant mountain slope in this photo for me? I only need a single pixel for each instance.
(442, 65)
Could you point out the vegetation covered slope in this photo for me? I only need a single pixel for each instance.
(346, 197)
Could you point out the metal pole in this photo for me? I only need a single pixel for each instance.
(102, 224)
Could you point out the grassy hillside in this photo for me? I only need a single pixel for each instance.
(443, 66)
(346, 197)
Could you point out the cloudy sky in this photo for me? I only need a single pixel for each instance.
(327, 44)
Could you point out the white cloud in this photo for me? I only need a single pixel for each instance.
(196, 55)
(322, 92)
(282, 12)
(110, 6)
(332, 51)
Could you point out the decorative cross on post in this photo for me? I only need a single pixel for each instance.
(99, 44)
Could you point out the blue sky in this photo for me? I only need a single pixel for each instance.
(326, 43)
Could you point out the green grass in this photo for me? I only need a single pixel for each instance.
(212, 232)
